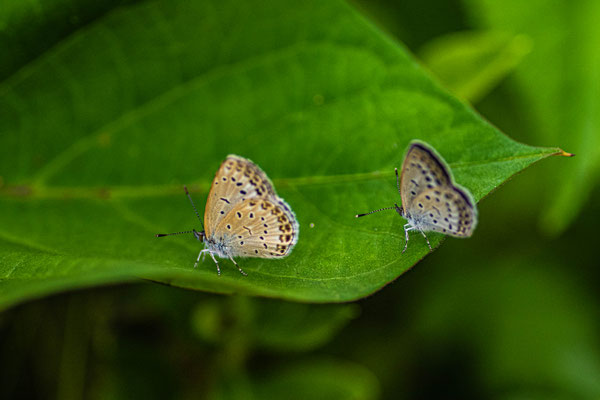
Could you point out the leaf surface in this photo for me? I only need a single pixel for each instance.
(100, 132)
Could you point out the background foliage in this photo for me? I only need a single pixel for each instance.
(510, 313)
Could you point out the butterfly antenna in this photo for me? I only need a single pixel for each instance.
(397, 181)
(169, 234)
(193, 205)
(374, 211)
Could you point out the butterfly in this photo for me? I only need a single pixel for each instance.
(431, 200)
(244, 216)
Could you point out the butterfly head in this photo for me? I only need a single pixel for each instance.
(201, 236)
(399, 210)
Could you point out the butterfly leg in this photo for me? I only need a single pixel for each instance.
(216, 262)
(407, 227)
(238, 267)
(201, 254)
(428, 244)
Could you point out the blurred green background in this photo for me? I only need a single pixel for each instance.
(511, 313)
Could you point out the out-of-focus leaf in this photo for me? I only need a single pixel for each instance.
(233, 385)
(100, 132)
(269, 324)
(320, 379)
(208, 320)
(414, 22)
(299, 327)
(560, 82)
(524, 320)
(471, 63)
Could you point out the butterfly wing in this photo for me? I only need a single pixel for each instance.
(259, 228)
(446, 209)
(422, 170)
(236, 180)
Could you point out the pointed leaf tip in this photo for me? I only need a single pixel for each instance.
(565, 154)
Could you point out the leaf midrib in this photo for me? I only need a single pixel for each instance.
(146, 191)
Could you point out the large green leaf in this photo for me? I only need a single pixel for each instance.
(100, 132)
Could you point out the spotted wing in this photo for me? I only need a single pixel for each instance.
(236, 180)
(422, 169)
(259, 228)
(449, 210)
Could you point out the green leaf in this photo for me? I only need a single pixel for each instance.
(100, 132)
(28, 29)
(272, 325)
(319, 379)
(283, 326)
(534, 307)
(560, 82)
(472, 63)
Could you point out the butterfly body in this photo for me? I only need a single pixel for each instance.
(220, 247)
(244, 216)
(431, 200)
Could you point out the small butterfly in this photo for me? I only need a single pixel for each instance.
(431, 200)
(244, 217)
